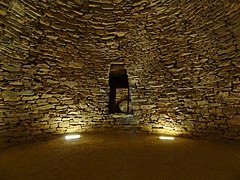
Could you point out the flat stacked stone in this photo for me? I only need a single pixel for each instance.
(182, 60)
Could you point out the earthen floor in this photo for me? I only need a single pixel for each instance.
(121, 157)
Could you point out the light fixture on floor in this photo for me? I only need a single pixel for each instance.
(72, 136)
(166, 137)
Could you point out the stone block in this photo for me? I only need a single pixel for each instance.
(147, 107)
(46, 96)
(70, 84)
(45, 107)
(27, 93)
(63, 124)
(202, 103)
(11, 68)
(29, 98)
(235, 120)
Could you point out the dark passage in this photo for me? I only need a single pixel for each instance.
(119, 99)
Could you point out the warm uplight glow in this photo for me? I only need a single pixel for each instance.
(166, 137)
(72, 136)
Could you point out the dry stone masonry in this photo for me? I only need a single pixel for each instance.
(182, 59)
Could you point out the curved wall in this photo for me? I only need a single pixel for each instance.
(182, 60)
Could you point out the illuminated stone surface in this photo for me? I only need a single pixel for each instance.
(182, 60)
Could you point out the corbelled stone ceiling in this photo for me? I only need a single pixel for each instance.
(181, 56)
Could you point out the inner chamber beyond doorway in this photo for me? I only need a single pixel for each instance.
(119, 97)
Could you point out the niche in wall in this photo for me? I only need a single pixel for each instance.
(119, 97)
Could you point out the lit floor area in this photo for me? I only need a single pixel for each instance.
(121, 157)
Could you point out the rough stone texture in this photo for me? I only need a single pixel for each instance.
(182, 59)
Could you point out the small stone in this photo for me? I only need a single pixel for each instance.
(3, 13)
(202, 103)
(30, 98)
(74, 64)
(6, 94)
(117, 1)
(11, 68)
(49, 106)
(52, 37)
(45, 21)
(120, 34)
(224, 94)
(16, 83)
(12, 99)
(70, 84)
(46, 96)
(27, 93)
(147, 106)
(50, 81)
(64, 124)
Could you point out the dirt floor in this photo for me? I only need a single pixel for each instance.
(121, 157)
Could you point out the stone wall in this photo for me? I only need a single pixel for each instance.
(182, 59)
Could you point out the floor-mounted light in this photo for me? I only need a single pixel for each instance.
(72, 136)
(166, 137)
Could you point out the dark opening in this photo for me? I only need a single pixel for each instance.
(119, 98)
